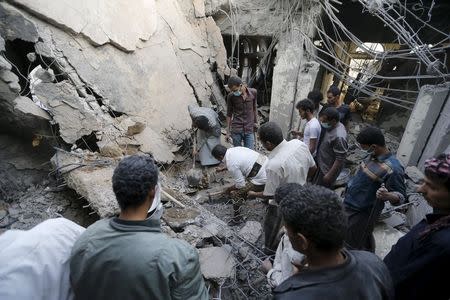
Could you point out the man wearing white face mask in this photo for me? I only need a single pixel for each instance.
(332, 150)
(380, 178)
(242, 119)
(128, 257)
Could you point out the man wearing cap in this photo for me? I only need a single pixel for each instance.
(241, 113)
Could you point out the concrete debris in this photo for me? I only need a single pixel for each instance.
(251, 231)
(3, 214)
(2, 44)
(199, 236)
(151, 142)
(178, 218)
(418, 210)
(91, 178)
(217, 263)
(385, 236)
(74, 117)
(199, 8)
(14, 26)
(95, 24)
(109, 148)
(414, 174)
(28, 107)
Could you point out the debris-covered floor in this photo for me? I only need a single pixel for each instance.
(35, 194)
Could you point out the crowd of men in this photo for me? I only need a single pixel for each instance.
(323, 247)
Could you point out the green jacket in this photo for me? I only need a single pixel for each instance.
(117, 259)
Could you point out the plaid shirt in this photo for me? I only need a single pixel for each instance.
(362, 188)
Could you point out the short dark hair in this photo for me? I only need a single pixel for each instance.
(437, 169)
(201, 122)
(305, 105)
(133, 179)
(371, 135)
(270, 132)
(334, 90)
(234, 81)
(331, 113)
(318, 214)
(316, 97)
(219, 151)
(282, 191)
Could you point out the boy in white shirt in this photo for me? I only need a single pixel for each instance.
(311, 134)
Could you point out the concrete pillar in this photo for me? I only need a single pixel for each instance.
(427, 110)
(294, 76)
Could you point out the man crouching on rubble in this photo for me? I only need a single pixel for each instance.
(128, 257)
(248, 169)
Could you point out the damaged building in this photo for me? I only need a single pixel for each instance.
(85, 83)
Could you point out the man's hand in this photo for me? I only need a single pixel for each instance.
(384, 195)
(266, 266)
(221, 169)
(255, 127)
(194, 152)
(252, 195)
(296, 134)
(327, 179)
(228, 138)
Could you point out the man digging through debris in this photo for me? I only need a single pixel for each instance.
(248, 169)
(128, 257)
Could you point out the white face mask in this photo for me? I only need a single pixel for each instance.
(157, 206)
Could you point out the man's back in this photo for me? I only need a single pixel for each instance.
(362, 276)
(333, 145)
(240, 161)
(289, 162)
(34, 264)
(116, 259)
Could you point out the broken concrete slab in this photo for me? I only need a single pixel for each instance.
(68, 110)
(178, 218)
(91, 178)
(251, 231)
(153, 143)
(121, 23)
(418, 210)
(414, 174)
(28, 107)
(217, 263)
(14, 26)
(199, 8)
(385, 237)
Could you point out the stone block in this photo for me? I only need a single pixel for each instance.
(178, 218)
(251, 231)
(385, 237)
(217, 263)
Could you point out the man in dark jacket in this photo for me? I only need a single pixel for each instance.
(128, 257)
(419, 261)
(316, 224)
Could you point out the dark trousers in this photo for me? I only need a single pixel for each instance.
(360, 228)
(272, 226)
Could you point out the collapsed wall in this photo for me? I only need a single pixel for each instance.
(106, 79)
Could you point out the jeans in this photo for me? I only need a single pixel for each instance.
(248, 138)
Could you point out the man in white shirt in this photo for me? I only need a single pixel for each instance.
(289, 162)
(34, 264)
(248, 169)
(311, 134)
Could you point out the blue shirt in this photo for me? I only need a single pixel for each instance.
(361, 189)
(419, 264)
